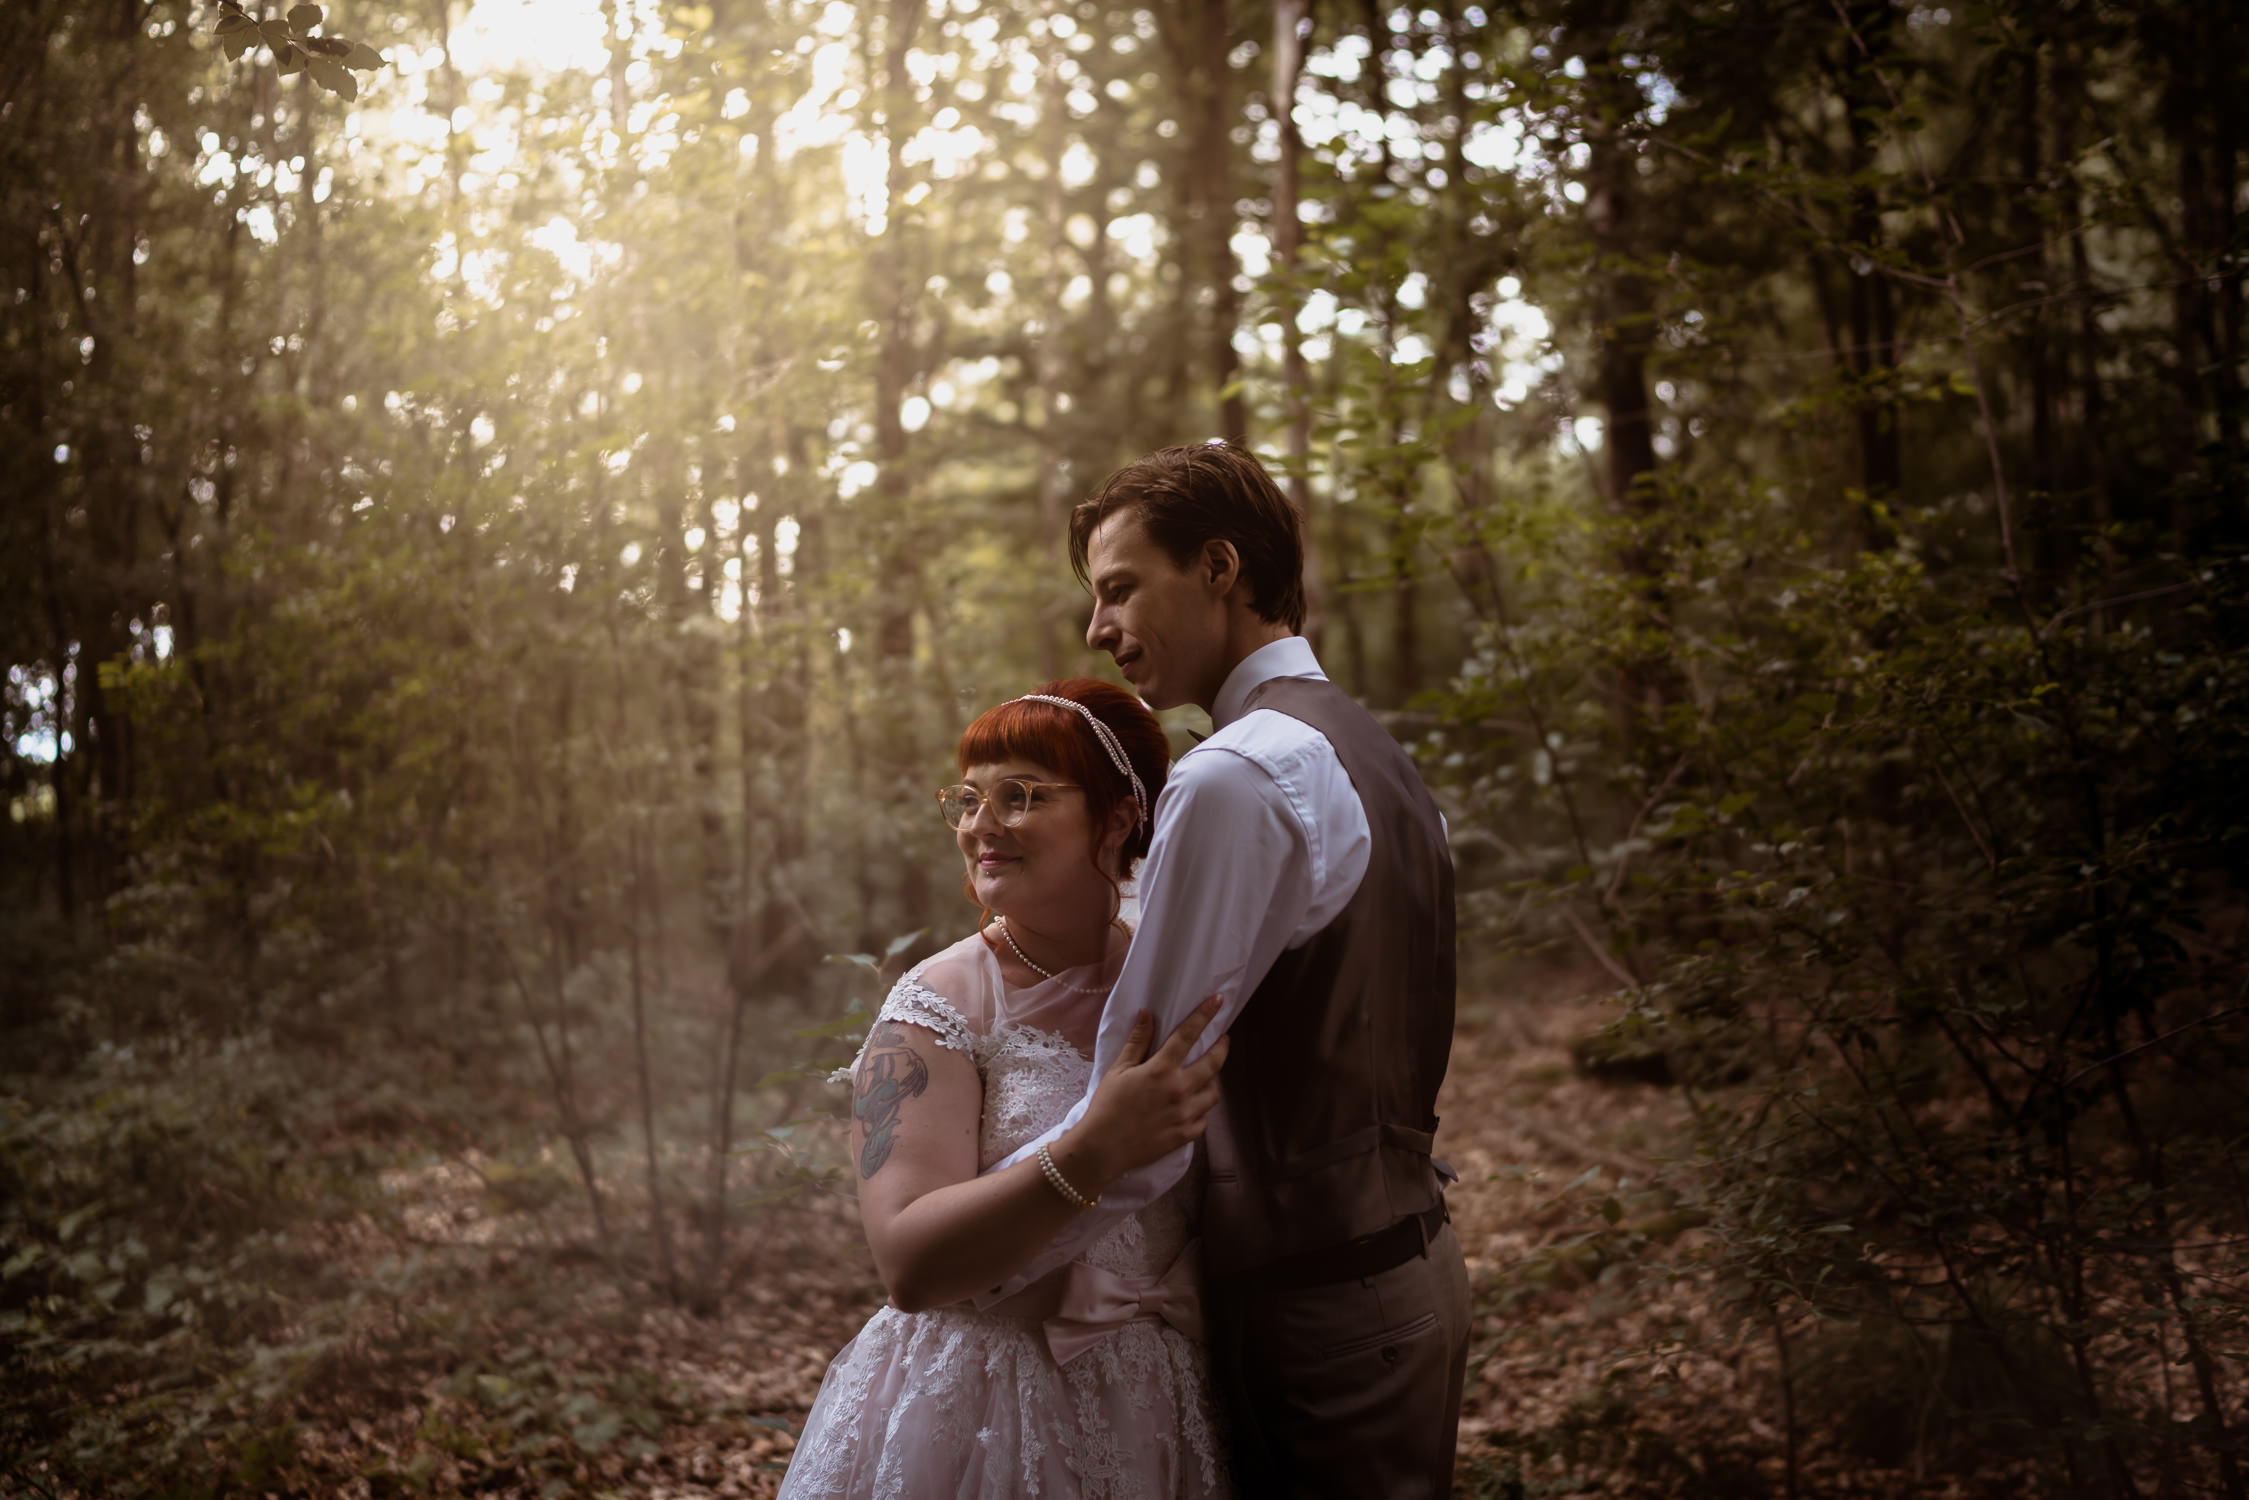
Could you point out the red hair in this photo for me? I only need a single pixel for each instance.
(1060, 739)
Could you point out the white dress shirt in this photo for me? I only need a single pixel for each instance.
(1260, 842)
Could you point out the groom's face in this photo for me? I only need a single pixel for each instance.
(1164, 624)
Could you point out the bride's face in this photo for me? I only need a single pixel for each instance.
(1040, 871)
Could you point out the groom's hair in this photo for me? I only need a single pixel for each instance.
(1199, 493)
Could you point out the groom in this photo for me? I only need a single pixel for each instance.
(1300, 871)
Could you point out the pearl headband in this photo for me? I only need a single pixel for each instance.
(1109, 742)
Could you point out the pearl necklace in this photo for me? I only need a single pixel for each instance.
(1017, 949)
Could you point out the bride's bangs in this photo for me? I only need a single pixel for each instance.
(1039, 733)
(1046, 734)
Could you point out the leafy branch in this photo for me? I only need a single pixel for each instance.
(331, 60)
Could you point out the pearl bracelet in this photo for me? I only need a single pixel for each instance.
(1061, 1183)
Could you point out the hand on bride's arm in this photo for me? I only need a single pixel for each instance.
(1146, 1107)
(939, 1232)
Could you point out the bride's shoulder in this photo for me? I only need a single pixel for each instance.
(953, 992)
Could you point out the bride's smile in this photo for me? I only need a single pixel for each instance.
(1032, 857)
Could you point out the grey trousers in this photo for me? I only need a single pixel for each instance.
(1350, 1390)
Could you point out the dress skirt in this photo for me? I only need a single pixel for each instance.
(959, 1405)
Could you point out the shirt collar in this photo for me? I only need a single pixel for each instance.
(1290, 656)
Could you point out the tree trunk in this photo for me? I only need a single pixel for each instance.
(1211, 144)
(97, 262)
(785, 619)
(1624, 324)
(1624, 311)
(2194, 322)
(2091, 445)
(892, 303)
(1343, 554)
(1052, 381)
(1292, 25)
(60, 770)
(638, 903)
(565, 935)
(1394, 475)
(2223, 48)
(1465, 272)
(1873, 351)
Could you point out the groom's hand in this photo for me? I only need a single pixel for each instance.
(1148, 1107)
(1191, 1088)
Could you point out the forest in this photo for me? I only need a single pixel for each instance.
(506, 506)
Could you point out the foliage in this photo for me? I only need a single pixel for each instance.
(329, 60)
(1911, 900)
(1917, 859)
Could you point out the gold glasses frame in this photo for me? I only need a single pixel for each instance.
(959, 803)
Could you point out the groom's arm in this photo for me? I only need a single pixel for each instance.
(1230, 876)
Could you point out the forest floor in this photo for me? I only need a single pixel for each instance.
(1602, 1361)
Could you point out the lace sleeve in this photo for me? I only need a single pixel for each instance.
(915, 1004)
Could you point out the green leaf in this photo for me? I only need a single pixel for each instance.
(334, 77)
(851, 1026)
(304, 17)
(238, 41)
(288, 60)
(276, 34)
(599, 1433)
(234, 21)
(363, 57)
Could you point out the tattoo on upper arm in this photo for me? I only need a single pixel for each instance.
(890, 1074)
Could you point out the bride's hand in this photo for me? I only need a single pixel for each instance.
(1147, 1108)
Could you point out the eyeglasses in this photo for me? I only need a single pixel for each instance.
(1012, 799)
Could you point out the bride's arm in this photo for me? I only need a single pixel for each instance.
(938, 1231)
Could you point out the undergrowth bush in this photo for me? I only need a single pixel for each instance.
(1931, 899)
(210, 1244)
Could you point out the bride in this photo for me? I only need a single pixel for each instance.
(1091, 1381)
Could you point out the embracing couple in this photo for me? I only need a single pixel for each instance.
(1084, 1301)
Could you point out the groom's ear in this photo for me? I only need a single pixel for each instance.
(1222, 565)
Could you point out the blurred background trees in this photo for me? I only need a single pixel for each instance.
(493, 569)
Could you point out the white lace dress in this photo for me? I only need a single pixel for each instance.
(960, 1403)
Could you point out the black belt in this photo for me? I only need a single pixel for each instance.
(1354, 1260)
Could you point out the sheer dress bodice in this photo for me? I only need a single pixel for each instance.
(1032, 1075)
(958, 1402)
